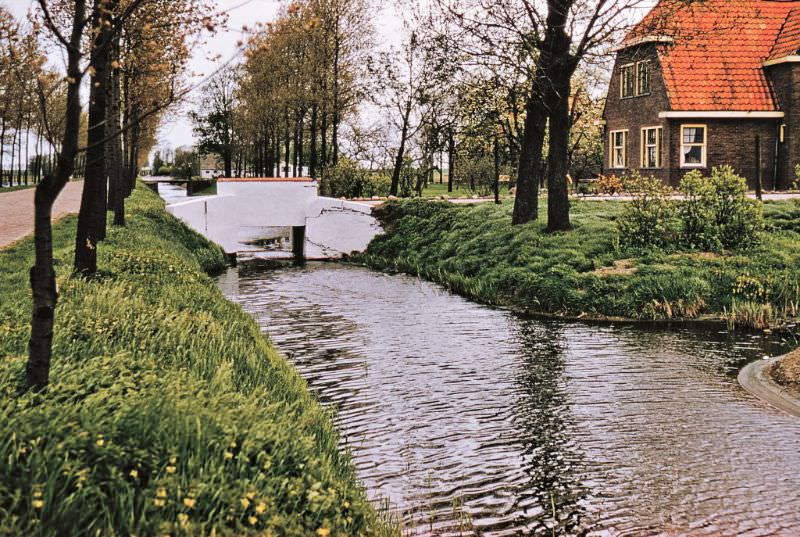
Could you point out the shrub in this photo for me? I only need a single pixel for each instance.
(609, 184)
(349, 180)
(696, 212)
(737, 218)
(647, 219)
(479, 174)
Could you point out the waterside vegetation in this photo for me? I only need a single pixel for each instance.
(167, 412)
(594, 270)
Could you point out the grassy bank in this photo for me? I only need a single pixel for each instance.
(474, 250)
(168, 412)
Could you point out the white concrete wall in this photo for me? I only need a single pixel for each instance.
(213, 217)
(271, 203)
(336, 227)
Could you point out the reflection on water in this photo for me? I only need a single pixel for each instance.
(474, 421)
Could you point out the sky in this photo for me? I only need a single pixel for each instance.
(177, 129)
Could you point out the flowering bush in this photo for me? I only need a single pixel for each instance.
(609, 184)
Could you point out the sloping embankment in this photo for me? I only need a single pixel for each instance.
(168, 411)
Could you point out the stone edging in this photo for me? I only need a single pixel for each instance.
(756, 379)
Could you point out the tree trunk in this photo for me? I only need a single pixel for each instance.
(313, 157)
(451, 160)
(558, 157)
(92, 214)
(42, 275)
(526, 203)
(401, 151)
(286, 145)
(117, 175)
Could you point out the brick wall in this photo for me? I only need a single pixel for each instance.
(785, 79)
(729, 142)
(637, 112)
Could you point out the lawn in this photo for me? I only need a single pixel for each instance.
(434, 190)
(585, 273)
(168, 412)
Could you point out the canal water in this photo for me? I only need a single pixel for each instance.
(474, 421)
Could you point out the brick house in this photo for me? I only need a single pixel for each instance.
(704, 84)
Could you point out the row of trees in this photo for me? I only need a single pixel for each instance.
(133, 54)
(471, 87)
(281, 111)
(27, 151)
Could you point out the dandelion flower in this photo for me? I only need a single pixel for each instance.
(100, 441)
(38, 504)
(189, 502)
(261, 507)
(170, 469)
(158, 502)
(252, 520)
(251, 495)
(245, 503)
(323, 532)
(228, 455)
(134, 473)
(162, 493)
(183, 518)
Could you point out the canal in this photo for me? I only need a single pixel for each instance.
(475, 421)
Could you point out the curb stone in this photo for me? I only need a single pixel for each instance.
(756, 379)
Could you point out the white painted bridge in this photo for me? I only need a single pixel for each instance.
(252, 210)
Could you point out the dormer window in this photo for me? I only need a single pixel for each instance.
(635, 79)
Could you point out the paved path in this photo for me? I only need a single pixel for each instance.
(16, 211)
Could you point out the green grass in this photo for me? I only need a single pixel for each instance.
(474, 250)
(14, 188)
(434, 190)
(168, 412)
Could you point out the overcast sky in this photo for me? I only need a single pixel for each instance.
(177, 130)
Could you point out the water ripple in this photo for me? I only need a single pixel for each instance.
(473, 421)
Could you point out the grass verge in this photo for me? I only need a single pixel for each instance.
(168, 411)
(474, 251)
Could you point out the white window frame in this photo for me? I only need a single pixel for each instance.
(622, 70)
(612, 164)
(645, 146)
(704, 146)
(639, 91)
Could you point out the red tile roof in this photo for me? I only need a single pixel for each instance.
(715, 62)
(788, 42)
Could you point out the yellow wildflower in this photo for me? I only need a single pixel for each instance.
(38, 504)
(183, 518)
(100, 440)
(162, 493)
(134, 474)
(189, 502)
(228, 455)
(173, 460)
(346, 504)
(251, 495)
(323, 532)
(252, 520)
(170, 469)
(261, 507)
(158, 502)
(245, 503)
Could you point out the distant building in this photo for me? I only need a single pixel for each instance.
(211, 167)
(695, 84)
